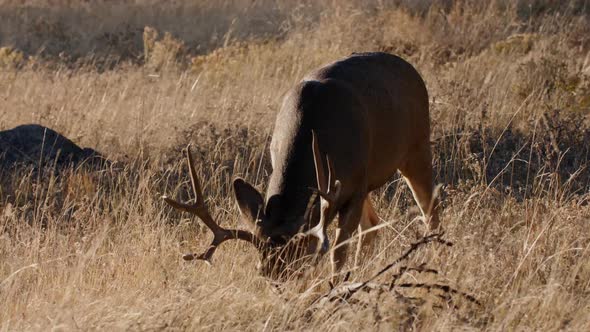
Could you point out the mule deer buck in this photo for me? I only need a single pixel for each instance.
(360, 120)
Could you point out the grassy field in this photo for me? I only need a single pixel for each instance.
(97, 249)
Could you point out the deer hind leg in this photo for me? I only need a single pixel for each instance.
(418, 174)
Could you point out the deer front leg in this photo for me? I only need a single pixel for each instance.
(349, 218)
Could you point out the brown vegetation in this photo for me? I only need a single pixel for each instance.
(509, 83)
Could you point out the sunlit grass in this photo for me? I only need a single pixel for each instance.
(98, 249)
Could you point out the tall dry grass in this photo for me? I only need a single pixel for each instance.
(509, 83)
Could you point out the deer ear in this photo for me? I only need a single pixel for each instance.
(249, 201)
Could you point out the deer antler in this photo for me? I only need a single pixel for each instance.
(200, 209)
(329, 191)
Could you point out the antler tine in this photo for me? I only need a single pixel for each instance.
(328, 191)
(199, 198)
(200, 209)
(219, 238)
(330, 171)
(319, 164)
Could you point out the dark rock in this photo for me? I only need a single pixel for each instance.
(36, 145)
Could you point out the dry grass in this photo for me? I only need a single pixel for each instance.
(86, 249)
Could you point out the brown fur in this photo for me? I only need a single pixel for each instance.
(370, 114)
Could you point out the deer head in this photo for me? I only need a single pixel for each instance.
(280, 254)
